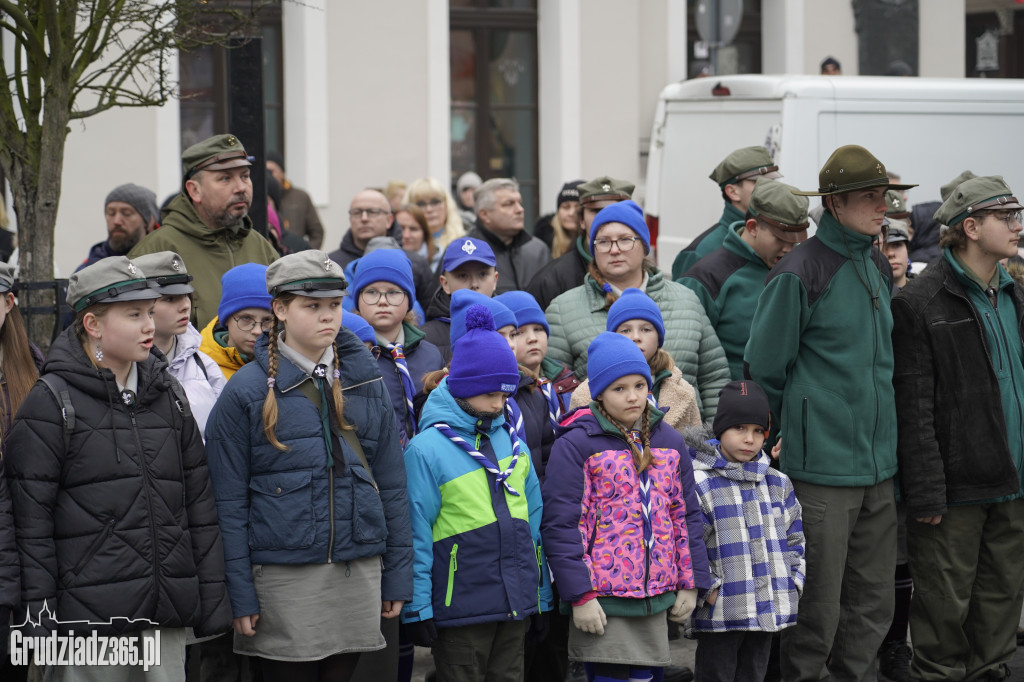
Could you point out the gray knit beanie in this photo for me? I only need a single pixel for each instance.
(139, 198)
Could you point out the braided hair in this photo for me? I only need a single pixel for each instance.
(641, 458)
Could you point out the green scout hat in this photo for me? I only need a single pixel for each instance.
(604, 188)
(219, 152)
(166, 273)
(785, 213)
(976, 194)
(744, 164)
(851, 168)
(948, 188)
(897, 231)
(895, 205)
(309, 273)
(6, 278)
(110, 280)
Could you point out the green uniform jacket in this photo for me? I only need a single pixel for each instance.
(207, 253)
(578, 316)
(728, 282)
(706, 242)
(821, 347)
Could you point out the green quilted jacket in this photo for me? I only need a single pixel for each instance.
(578, 316)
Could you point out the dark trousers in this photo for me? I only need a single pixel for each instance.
(967, 574)
(485, 652)
(378, 666)
(739, 656)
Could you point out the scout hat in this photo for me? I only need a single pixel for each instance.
(110, 280)
(219, 152)
(977, 194)
(605, 188)
(467, 250)
(309, 273)
(776, 205)
(897, 231)
(895, 205)
(165, 271)
(948, 188)
(744, 164)
(850, 168)
(6, 278)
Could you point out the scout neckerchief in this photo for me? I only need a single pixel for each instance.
(398, 354)
(644, 489)
(554, 407)
(318, 374)
(501, 477)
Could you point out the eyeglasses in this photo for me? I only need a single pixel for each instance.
(246, 323)
(392, 296)
(1010, 219)
(624, 244)
(372, 212)
(432, 203)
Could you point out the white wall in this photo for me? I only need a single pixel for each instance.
(941, 44)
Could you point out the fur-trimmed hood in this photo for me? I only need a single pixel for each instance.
(704, 451)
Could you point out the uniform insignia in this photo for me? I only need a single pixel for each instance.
(131, 268)
(327, 264)
(468, 247)
(606, 187)
(878, 167)
(176, 265)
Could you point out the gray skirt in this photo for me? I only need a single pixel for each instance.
(639, 640)
(312, 611)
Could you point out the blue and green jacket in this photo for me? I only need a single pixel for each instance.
(477, 555)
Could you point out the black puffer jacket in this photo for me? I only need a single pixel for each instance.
(121, 523)
(568, 271)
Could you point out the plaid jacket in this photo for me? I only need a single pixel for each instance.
(754, 539)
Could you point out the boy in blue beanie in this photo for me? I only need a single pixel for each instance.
(242, 316)
(384, 291)
(476, 584)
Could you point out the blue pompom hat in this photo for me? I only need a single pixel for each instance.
(358, 326)
(636, 305)
(462, 299)
(482, 361)
(612, 356)
(385, 265)
(629, 214)
(243, 286)
(525, 307)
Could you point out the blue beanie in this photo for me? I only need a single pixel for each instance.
(612, 356)
(462, 299)
(243, 286)
(482, 362)
(626, 212)
(358, 326)
(524, 306)
(385, 265)
(636, 305)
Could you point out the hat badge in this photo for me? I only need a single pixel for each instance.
(878, 167)
(176, 265)
(896, 203)
(468, 247)
(131, 268)
(231, 141)
(327, 264)
(606, 187)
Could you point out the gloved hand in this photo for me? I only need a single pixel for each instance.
(421, 633)
(686, 601)
(539, 626)
(589, 617)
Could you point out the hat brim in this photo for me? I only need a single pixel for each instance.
(788, 236)
(458, 262)
(850, 188)
(226, 165)
(174, 289)
(319, 293)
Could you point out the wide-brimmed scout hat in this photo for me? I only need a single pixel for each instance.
(745, 164)
(166, 273)
(986, 193)
(851, 168)
(775, 204)
(309, 273)
(110, 280)
(220, 152)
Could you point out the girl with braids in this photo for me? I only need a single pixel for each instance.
(637, 317)
(480, 578)
(621, 242)
(307, 468)
(622, 524)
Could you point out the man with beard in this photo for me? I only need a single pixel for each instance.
(131, 212)
(208, 222)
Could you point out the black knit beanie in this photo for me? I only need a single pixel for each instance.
(741, 402)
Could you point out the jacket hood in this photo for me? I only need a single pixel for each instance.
(706, 457)
(188, 344)
(440, 305)
(594, 424)
(348, 245)
(442, 408)
(182, 216)
(67, 358)
(224, 356)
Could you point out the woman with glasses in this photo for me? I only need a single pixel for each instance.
(439, 207)
(383, 287)
(243, 314)
(620, 242)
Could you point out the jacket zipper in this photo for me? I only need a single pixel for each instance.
(148, 485)
(453, 565)
(330, 501)
(540, 574)
(95, 547)
(803, 426)
(874, 363)
(593, 532)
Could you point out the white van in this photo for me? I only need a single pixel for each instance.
(927, 130)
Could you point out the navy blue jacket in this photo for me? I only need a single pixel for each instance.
(98, 252)
(275, 507)
(540, 433)
(422, 357)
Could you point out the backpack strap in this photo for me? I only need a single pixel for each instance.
(58, 387)
(180, 399)
(202, 366)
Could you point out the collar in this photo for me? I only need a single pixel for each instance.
(730, 214)
(131, 383)
(840, 238)
(582, 250)
(303, 363)
(1000, 278)
(643, 284)
(734, 243)
(400, 339)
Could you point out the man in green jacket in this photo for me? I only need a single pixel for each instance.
(208, 222)
(729, 280)
(820, 346)
(735, 177)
